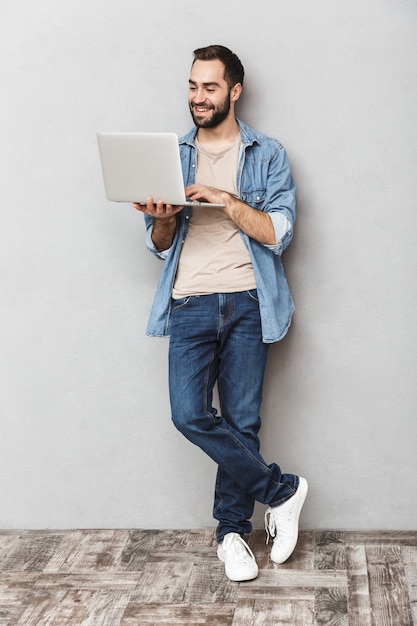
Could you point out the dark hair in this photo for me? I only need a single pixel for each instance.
(233, 68)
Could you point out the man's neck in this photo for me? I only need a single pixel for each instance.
(221, 136)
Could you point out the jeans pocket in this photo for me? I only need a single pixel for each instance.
(180, 303)
(253, 295)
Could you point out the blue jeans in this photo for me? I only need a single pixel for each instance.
(217, 338)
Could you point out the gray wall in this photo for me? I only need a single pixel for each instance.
(86, 438)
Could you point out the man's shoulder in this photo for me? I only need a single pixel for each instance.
(255, 136)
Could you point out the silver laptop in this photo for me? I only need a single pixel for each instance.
(138, 165)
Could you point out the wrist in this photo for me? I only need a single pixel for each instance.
(231, 203)
(164, 223)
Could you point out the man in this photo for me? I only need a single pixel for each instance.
(223, 298)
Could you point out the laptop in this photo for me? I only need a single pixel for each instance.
(138, 165)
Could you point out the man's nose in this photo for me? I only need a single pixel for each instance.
(199, 96)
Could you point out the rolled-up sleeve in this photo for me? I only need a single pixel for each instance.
(283, 232)
(280, 200)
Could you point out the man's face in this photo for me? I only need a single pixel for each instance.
(209, 94)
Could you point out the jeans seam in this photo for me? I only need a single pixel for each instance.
(206, 380)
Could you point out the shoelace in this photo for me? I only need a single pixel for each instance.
(238, 546)
(270, 525)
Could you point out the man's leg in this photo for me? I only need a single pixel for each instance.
(198, 330)
(242, 362)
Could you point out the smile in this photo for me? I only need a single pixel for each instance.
(200, 109)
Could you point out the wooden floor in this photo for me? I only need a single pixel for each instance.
(144, 578)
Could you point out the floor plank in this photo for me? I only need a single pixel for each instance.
(359, 605)
(181, 614)
(390, 601)
(410, 567)
(277, 613)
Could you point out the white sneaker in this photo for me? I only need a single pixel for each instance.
(281, 522)
(237, 557)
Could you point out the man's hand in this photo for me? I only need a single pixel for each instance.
(201, 193)
(157, 209)
(164, 223)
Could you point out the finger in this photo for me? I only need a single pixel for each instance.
(192, 189)
(149, 203)
(160, 207)
(140, 207)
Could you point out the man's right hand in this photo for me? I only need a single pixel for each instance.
(157, 209)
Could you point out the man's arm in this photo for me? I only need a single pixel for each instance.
(164, 221)
(163, 232)
(256, 224)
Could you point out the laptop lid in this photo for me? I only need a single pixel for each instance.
(138, 165)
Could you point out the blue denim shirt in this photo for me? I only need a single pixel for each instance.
(264, 181)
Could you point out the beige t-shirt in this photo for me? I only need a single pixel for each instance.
(214, 258)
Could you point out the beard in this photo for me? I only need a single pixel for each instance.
(218, 114)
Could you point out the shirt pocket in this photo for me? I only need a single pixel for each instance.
(254, 197)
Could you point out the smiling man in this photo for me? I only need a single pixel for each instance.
(223, 298)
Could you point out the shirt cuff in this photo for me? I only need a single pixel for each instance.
(283, 229)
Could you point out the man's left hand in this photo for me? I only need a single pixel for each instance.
(201, 193)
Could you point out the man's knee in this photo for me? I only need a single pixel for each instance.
(190, 423)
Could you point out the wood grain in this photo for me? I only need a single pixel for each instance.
(173, 577)
(410, 568)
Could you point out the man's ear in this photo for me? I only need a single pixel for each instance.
(235, 92)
